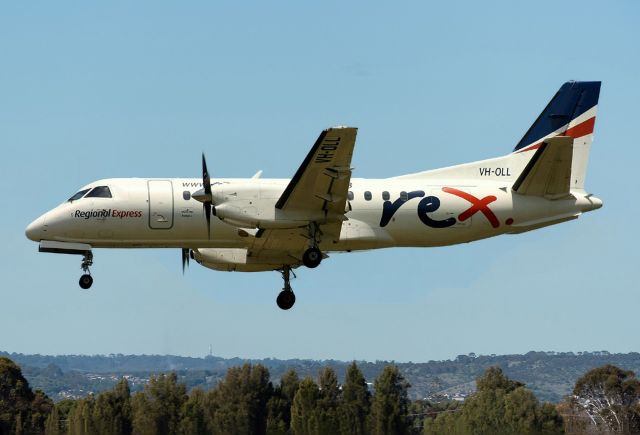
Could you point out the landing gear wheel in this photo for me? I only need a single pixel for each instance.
(86, 281)
(312, 257)
(286, 299)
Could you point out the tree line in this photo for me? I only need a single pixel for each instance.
(550, 375)
(246, 401)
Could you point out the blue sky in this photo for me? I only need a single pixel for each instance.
(123, 89)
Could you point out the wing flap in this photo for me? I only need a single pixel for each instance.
(548, 173)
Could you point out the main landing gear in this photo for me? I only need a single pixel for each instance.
(313, 256)
(86, 280)
(286, 298)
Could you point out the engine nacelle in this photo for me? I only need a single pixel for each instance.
(236, 259)
(262, 214)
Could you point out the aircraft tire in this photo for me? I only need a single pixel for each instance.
(286, 299)
(86, 281)
(312, 257)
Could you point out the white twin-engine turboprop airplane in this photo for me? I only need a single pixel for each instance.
(279, 224)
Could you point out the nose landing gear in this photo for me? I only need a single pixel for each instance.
(286, 298)
(86, 280)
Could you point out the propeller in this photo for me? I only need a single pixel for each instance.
(204, 195)
(185, 259)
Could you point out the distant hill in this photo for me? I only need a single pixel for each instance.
(551, 375)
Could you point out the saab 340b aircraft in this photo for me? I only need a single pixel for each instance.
(280, 224)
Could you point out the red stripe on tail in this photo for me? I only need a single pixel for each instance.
(582, 129)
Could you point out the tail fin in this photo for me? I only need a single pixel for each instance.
(571, 112)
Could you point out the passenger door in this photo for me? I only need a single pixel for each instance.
(160, 204)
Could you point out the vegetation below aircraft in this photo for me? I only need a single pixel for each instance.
(247, 402)
(550, 375)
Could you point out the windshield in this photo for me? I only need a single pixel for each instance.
(100, 192)
(78, 195)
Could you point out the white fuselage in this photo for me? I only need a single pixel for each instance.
(153, 213)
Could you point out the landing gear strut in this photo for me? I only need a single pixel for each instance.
(313, 256)
(286, 298)
(86, 280)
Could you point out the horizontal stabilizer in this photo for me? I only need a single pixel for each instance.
(548, 173)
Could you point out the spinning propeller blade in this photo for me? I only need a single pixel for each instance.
(185, 259)
(207, 203)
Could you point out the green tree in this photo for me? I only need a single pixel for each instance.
(240, 401)
(41, 407)
(355, 402)
(52, 425)
(193, 420)
(63, 408)
(611, 398)
(21, 410)
(328, 401)
(81, 417)
(108, 413)
(499, 406)
(446, 423)
(390, 404)
(112, 411)
(303, 411)
(156, 409)
(494, 379)
(279, 406)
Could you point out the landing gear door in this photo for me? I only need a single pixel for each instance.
(160, 204)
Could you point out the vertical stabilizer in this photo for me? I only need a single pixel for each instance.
(571, 112)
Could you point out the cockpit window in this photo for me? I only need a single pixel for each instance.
(99, 192)
(78, 195)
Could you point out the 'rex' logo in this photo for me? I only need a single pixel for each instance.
(432, 203)
(479, 205)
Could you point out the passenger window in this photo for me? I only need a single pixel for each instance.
(350, 195)
(367, 196)
(404, 196)
(186, 195)
(100, 192)
(78, 195)
(385, 195)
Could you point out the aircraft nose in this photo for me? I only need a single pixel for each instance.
(35, 229)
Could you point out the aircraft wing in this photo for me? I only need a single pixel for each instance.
(320, 184)
(548, 173)
(322, 181)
